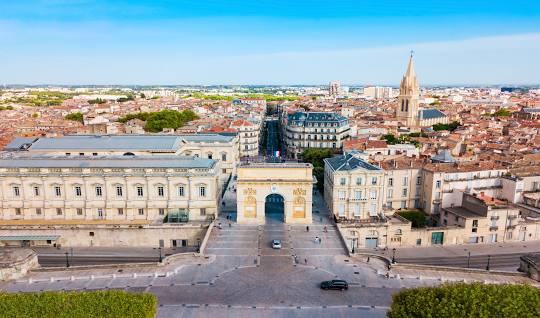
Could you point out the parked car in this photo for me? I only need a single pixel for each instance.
(335, 284)
(276, 244)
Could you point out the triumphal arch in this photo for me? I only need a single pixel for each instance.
(264, 185)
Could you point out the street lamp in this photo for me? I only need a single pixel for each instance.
(394, 255)
(487, 267)
(160, 257)
(469, 260)
(353, 244)
(198, 245)
(67, 259)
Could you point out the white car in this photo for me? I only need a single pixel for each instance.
(276, 244)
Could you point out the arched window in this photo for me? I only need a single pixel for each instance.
(129, 154)
(402, 105)
(407, 105)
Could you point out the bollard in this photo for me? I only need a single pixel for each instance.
(52, 279)
(72, 278)
(134, 275)
(397, 276)
(156, 275)
(29, 280)
(92, 277)
(113, 276)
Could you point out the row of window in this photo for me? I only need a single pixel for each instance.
(210, 155)
(359, 194)
(358, 209)
(405, 181)
(359, 181)
(101, 212)
(57, 191)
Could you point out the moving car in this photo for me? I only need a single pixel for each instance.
(335, 284)
(276, 244)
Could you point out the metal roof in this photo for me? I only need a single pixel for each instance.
(349, 162)
(18, 143)
(431, 113)
(48, 161)
(29, 237)
(118, 142)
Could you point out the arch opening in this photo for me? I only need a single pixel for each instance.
(274, 207)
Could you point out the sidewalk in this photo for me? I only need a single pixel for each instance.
(459, 250)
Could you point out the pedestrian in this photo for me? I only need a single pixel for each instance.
(316, 239)
(307, 228)
(325, 229)
(320, 240)
(367, 259)
(305, 260)
(321, 219)
(230, 225)
(219, 225)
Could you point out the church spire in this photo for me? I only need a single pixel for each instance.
(409, 84)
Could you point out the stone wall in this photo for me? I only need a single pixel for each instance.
(148, 236)
(15, 263)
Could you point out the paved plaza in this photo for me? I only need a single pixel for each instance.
(241, 275)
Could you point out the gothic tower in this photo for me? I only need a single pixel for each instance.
(409, 92)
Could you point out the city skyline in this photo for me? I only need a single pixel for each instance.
(268, 43)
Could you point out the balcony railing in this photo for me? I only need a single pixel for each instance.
(493, 228)
(494, 217)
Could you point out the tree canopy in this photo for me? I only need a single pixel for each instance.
(78, 116)
(315, 156)
(157, 121)
(451, 126)
(503, 112)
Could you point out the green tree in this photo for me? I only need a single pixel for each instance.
(316, 157)
(96, 101)
(451, 127)
(78, 116)
(503, 112)
(168, 119)
(35, 115)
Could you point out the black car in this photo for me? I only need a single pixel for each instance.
(335, 284)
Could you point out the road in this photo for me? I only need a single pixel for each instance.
(51, 257)
(272, 137)
(497, 261)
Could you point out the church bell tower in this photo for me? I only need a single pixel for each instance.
(409, 93)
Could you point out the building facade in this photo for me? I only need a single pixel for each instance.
(285, 186)
(249, 137)
(304, 130)
(108, 188)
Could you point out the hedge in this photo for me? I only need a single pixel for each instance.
(467, 301)
(112, 303)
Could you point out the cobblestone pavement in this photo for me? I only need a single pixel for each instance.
(243, 276)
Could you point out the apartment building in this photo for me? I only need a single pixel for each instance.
(353, 188)
(440, 182)
(402, 183)
(249, 137)
(303, 130)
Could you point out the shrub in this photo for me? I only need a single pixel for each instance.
(78, 304)
(467, 300)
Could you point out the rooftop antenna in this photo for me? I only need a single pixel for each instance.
(412, 53)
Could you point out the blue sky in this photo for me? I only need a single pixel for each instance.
(268, 42)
